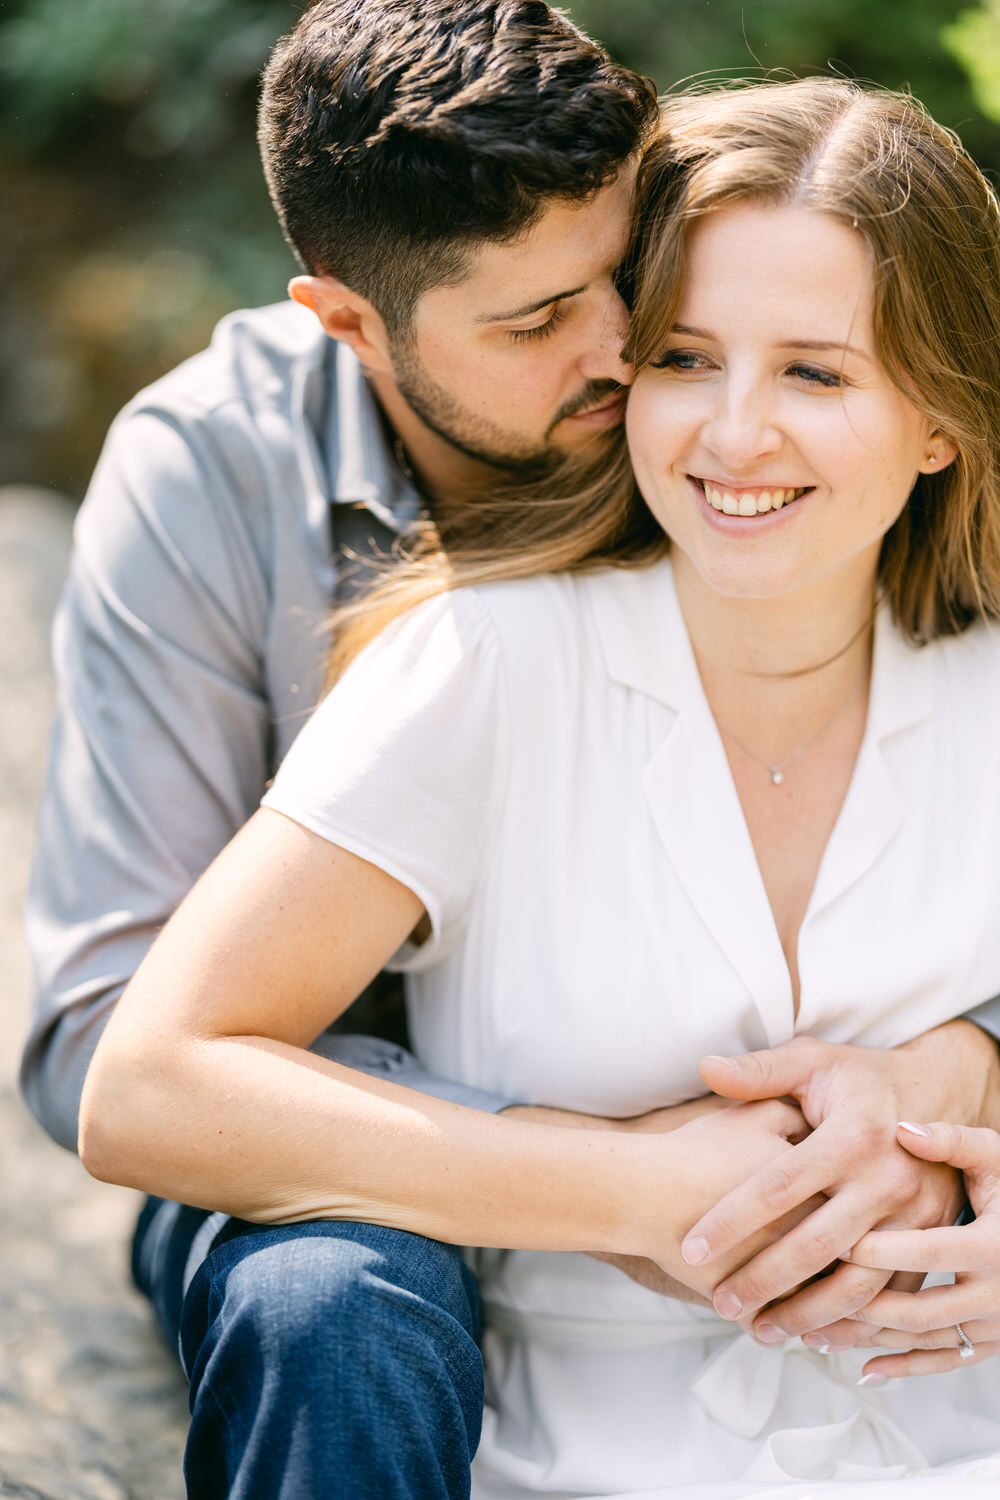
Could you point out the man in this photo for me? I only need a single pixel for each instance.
(455, 176)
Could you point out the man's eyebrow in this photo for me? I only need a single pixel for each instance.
(817, 346)
(525, 312)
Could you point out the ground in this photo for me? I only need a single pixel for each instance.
(92, 1404)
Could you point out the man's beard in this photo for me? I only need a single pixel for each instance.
(479, 438)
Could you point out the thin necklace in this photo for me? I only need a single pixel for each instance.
(777, 769)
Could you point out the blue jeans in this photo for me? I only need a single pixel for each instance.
(325, 1359)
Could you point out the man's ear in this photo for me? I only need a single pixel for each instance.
(345, 316)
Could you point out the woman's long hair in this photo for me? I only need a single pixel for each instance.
(873, 160)
(588, 513)
(878, 163)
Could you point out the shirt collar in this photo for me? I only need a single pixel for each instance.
(360, 466)
(646, 647)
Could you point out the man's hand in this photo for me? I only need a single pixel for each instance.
(853, 1098)
(654, 1278)
(654, 1122)
(923, 1322)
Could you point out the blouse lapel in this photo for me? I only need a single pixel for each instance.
(901, 697)
(692, 799)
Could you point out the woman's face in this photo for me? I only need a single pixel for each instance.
(768, 439)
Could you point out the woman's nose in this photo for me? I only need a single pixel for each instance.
(740, 428)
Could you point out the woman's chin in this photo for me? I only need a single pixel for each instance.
(743, 578)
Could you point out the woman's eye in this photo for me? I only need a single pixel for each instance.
(814, 375)
(682, 360)
(540, 331)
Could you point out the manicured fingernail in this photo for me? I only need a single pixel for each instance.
(728, 1306)
(914, 1129)
(834, 1349)
(770, 1333)
(873, 1379)
(695, 1251)
(723, 1062)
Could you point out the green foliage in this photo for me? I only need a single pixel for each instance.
(173, 65)
(896, 43)
(974, 41)
(136, 206)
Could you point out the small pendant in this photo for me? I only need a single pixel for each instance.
(777, 776)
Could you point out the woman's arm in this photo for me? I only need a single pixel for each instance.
(201, 1089)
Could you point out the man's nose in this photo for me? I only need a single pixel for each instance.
(603, 361)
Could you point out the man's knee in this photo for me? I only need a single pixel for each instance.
(331, 1358)
(315, 1300)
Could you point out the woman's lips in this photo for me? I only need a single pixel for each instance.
(748, 500)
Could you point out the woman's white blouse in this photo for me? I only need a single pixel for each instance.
(538, 762)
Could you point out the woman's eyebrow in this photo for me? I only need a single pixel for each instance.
(525, 312)
(819, 345)
(815, 345)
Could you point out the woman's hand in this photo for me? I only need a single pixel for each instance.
(639, 1268)
(923, 1322)
(853, 1098)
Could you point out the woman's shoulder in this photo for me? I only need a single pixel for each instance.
(561, 602)
(963, 674)
(973, 654)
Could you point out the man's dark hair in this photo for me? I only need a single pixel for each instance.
(398, 134)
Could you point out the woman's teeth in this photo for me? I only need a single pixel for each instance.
(747, 502)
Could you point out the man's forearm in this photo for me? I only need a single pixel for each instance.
(987, 1017)
(955, 1073)
(381, 1059)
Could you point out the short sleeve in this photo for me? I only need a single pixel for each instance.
(404, 763)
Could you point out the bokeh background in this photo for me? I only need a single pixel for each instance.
(132, 215)
(132, 208)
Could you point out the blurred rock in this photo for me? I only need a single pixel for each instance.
(92, 1405)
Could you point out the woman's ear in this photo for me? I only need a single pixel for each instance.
(939, 453)
(346, 317)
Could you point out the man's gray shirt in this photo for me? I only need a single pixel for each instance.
(189, 646)
(222, 520)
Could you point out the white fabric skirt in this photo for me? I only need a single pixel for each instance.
(651, 1399)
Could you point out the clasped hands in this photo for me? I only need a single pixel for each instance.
(790, 1250)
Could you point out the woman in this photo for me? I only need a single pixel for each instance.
(923, 1323)
(700, 785)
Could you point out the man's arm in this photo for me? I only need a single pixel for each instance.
(987, 1016)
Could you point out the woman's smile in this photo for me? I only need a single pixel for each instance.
(746, 500)
(768, 438)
